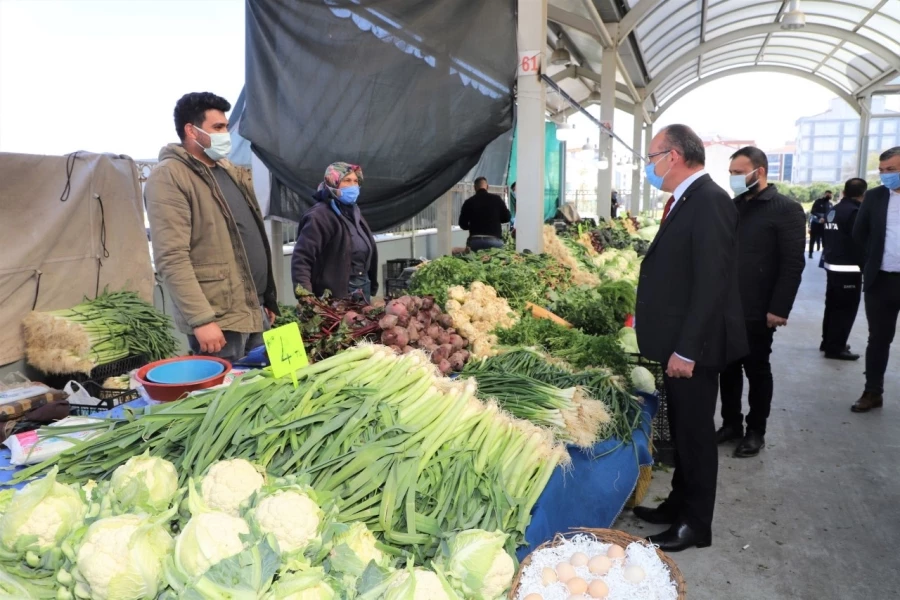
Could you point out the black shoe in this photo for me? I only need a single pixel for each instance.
(681, 536)
(657, 516)
(867, 402)
(752, 443)
(843, 355)
(726, 433)
(822, 347)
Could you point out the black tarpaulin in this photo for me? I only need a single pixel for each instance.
(411, 90)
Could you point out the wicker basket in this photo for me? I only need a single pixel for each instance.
(607, 536)
(643, 486)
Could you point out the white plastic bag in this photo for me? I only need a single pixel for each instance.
(80, 395)
(29, 449)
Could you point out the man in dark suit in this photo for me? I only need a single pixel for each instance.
(689, 319)
(877, 229)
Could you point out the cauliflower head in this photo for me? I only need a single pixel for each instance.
(291, 516)
(228, 484)
(363, 543)
(121, 558)
(422, 584)
(478, 565)
(44, 511)
(145, 482)
(207, 539)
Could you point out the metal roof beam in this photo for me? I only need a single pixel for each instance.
(606, 38)
(876, 83)
(855, 29)
(762, 48)
(723, 40)
(570, 19)
(635, 16)
(830, 86)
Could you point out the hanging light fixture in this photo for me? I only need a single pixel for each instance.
(565, 132)
(794, 18)
(602, 163)
(587, 145)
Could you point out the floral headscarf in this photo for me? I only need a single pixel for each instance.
(335, 173)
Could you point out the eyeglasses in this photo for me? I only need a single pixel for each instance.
(650, 157)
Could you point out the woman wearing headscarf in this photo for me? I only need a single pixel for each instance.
(335, 249)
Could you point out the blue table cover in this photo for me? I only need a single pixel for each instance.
(591, 492)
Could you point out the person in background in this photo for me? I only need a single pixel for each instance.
(209, 242)
(335, 250)
(614, 204)
(483, 216)
(843, 261)
(820, 209)
(689, 319)
(877, 229)
(771, 239)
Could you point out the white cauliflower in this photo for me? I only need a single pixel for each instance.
(145, 482)
(360, 539)
(425, 585)
(207, 539)
(45, 509)
(229, 483)
(293, 518)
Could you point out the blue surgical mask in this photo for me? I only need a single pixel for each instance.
(654, 179)
(349, 195)
(890, 180)
(739, 183)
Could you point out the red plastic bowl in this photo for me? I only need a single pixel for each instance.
(169, 392)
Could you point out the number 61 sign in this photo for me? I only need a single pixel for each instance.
(529, 63)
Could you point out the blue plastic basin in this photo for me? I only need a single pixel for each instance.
(185, 371)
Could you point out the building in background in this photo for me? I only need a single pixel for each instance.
(781, 163)
(826, 149)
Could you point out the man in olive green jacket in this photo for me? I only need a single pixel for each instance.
(209, 242)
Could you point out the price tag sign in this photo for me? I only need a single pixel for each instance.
(284, 346)
(529, 63)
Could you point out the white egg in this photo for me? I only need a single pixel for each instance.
(577, 586)
(616, 552)
(634, 574)
(548, 576)
(534, 597)
(565, 571)
(600, 565)
(579, 559)
(598, 589)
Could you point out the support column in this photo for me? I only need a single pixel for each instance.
(862, 138)
(262, 188)
(636, 140)
(445, 224)
(607, 115)
(531, 103)
(648, 137)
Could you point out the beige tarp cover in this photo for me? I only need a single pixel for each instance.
(52, 250)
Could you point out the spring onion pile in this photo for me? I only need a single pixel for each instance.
(624, 408)
(113, 326)
(407, 452)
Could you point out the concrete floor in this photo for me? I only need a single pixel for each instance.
(817, 514)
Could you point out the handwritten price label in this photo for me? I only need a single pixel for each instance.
(284, 346)
(529, 63)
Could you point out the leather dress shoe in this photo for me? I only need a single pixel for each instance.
(867, 402)
(656, 516)
(752, 443)
(681, 536)
(726, 433)
(842, 355)
(822, 347)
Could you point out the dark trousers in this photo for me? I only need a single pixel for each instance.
(758, 369)
(691, 411)
(816, 233)
(882, 308)
(484, 243)
(842, 294)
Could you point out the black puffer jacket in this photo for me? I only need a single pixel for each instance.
(771, 238)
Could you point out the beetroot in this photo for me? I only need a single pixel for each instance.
(457, 342)
(464, 354)
(444, 339)
(403, 321)
(446, 321)
(395, 336)
(435, 313)
(444, 367)
(448, 349)
(368, 309)
(434, 332)
(425, 340)
(407, 349)
(396, 308)
(427, 302)
(395, 349)
(439, 354)
(457, 361)
(413, 333)
(387, 321)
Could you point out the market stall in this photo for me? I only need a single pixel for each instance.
(446, 420)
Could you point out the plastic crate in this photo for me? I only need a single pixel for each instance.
(99, 373)
(110, 399)
(394, 288)
(394, 268)
(663, 449)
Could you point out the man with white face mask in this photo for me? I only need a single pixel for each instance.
(771, 238)
(209, 242)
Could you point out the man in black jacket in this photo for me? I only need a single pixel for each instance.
(771, 238)
(689, 319)
(877, 228)
(483, 216)
(843, 260)
(820, 209)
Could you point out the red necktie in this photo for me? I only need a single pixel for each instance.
(668, 207)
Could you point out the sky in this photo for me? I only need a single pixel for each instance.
(104, 76)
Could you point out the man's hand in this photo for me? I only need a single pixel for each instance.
(210, 338)
(821, 220)
(775, 320)
(679, 368)
(271, 316)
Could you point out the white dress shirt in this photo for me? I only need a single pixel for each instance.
(890, 261)
(677, 194)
